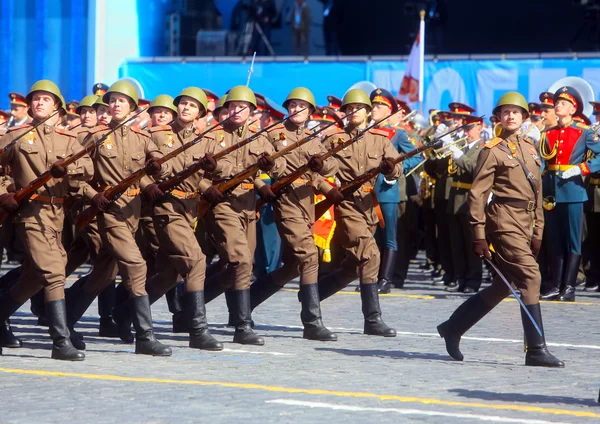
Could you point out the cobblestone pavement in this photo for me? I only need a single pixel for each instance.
(357, 379)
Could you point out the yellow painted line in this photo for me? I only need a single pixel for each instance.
(262, 387)
(353, 293)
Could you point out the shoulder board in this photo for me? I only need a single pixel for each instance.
(389, 132)
(20, 127)
(253, 129)
(98, 129)
(159, 128)
(277, 127)
(378, 131)
(493, 142)
(582, 125)
(211, 135)
(334, 130)
(307, 132)
(65, 132)
(83, 130)
(140, 132)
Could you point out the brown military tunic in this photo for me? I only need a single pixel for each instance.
(39, 221)
(512, 219)
(179, 254)
(356, 218)
(232, 223)
(295, 210)
(124, 152)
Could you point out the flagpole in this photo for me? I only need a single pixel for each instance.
(421, 60)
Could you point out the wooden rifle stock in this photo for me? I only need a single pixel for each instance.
(230, 185)
(349, 188)
(282, 183)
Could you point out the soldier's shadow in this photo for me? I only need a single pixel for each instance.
(522, 397)
(386, 354)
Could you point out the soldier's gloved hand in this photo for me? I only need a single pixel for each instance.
(266, 193)
(570, 173)
(57, 170)
(152, 193)
(315, 164)
(8, 203)
(213, 195)
(152, 166)
(386, 167)
(100, 202)
(536, 245)
(440, 129)
(208, 163)
(266, 163)
(335, 196)
(481, 249)
(11, 188)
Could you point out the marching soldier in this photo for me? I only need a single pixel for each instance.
(103, 115)
(294, 214)
(123, 152)
(179, 255)
(356, 216)
(39, 220)
(547, 109)
(508, 166)
(467, 267)
(162, 111)
(592, 217)
(231, 223)
(566, 151)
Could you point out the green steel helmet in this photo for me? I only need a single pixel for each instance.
(301, 93)
(356, 95)
(241, 93)
(122, 87)
(49, 87)
(515, 99)
(163, 100)
(99, 102)
(220, 104)
(88, 101)
(197, 94)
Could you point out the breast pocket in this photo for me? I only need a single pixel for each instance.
(137, 160)
(29, 149)
(374, 159)
(107, 152)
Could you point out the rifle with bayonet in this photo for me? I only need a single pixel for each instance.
(114, 193)
(42, 179)
(349, 188)
(170, 184)
(230, 185)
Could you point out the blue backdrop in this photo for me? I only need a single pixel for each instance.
(477, 82)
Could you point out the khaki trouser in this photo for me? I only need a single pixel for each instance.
(179, 256)
(234, 235)
(86, 246)
(120, 252)
(517, 263)
(300, 255)
(44, 265)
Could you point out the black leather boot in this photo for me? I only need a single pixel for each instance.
(121, 314)
(465, 317)
(558, 269)
(195, 311)
(174, 302)
(38, 308)
(62, 348)
(8, 306)
(386, 272)
(77, 302)
(537, 353)
(243, 320)
(567, 294)
(7, 338)
(262, 289)
(106, 303)
(145, 341)
(230, 301)
(311, 315)
(330, 284)
(371, 309)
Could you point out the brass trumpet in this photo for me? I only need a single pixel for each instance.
(445, 151)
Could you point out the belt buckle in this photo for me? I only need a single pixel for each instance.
(530, 206)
